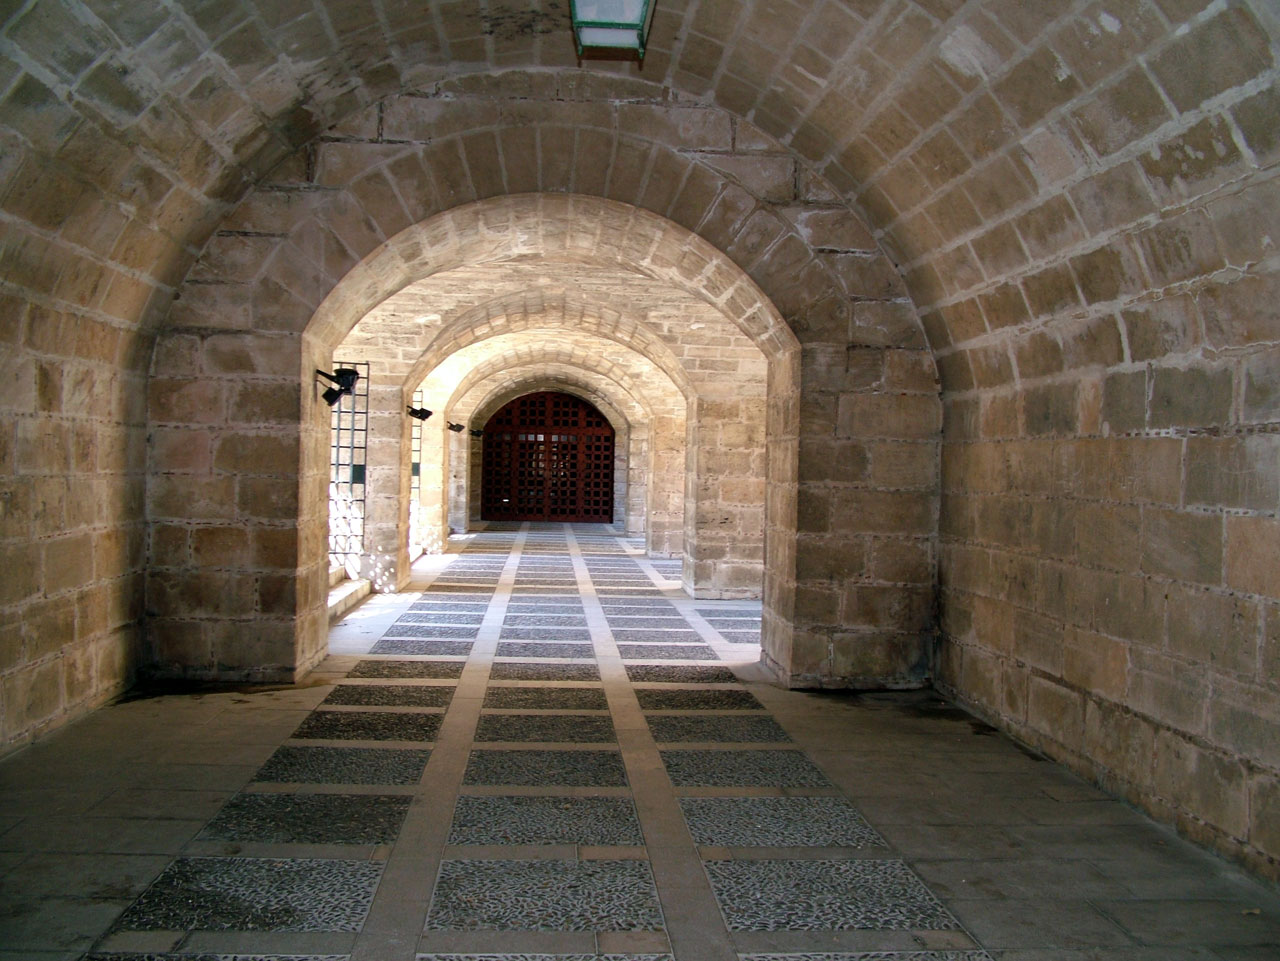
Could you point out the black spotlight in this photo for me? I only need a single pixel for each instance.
(420, 413)
(457, 428)
(477, 433)
(345, 380)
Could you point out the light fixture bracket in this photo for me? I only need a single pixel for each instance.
(344, 381)
(611, 24)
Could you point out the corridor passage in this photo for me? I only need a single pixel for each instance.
(547, 752)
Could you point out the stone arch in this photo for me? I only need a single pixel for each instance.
(651, 417)
(636, 387)
(871, 444)
(630, 425)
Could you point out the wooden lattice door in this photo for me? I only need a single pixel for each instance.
(547, 457)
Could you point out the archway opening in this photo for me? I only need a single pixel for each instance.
(547, 456)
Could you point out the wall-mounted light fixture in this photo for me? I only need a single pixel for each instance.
(611, 24)
(477, 433)
(457, 428)
(419, 413)
(344, 379)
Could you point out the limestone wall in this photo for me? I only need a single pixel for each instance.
(1104, 320)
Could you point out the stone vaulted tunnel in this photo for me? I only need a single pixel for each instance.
(946, 327)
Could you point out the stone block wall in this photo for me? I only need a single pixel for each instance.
(72, 532)
(351, 212)
(1107, 338)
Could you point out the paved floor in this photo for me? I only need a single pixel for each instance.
(549, 752)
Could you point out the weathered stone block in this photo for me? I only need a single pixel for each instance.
(1251, 555)
(1097, 663)
(1209, 783)
(1056, 712)
(1182, 545)
(884, 415)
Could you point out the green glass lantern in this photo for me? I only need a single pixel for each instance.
(611, 24)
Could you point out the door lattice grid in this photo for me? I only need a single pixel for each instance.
(547, 457)
(348, 443)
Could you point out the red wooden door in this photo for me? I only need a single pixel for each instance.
(547, 457)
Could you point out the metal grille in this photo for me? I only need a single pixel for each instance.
(348, 444)
(416, 542)
(547, 457)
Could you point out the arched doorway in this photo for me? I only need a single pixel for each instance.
(548, 456)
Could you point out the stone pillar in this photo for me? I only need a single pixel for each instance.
(385, 559)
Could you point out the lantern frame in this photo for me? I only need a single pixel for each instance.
(595, 34)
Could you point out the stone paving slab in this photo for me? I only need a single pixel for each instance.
(544, 649)
(565, 728)
(667, 652)
(369, 726)
(762, 768)
(544, 957)
(517, 671)
(1035, 864)
(309, 819)
(550, 768)
(873, 956)
(669, 699)
(443, 670)
(256, 894)
(433, 617)
(429, 631)
(343, 765)
(547, 698)
(681, 674)
(667, 728)
(207, 956)
(825, 895)
(391, 695)
(409, 645)
(545, 820)
(545, 634)
(777, 822)
(545, 896)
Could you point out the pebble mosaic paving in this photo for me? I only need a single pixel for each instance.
(409, 645)
(517, 671)
(117, 956)
(668, 728)
(545, 820)
(429, 631)
(733, 819)
(443, 670)
(391, 695)
(763, 768)
(825, 895)
(544, 634)
(545, 896)
(566, 728)
(873, 956)
(256, 894)
(544, 649)
(544, 957)
(343, 765)
(667, 652)
(309, 819)
(652, 699)
(680, 674)
(369, 726)
(547, 698)
(437, 618)
(782, 822)
(546, 768)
